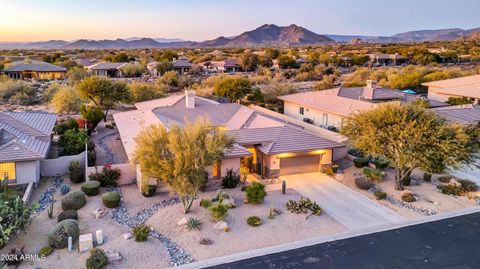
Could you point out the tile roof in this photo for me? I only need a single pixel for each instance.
(25, 135)
(36, 66)
(454, 82)
(106, 66)
(182, 62)
(463, 114)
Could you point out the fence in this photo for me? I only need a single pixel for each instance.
(128, 172)
(52, 167)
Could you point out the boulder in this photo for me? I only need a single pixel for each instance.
(59, 233)
(182, 222)
(98, 213)
(127, 236)
(454, 182)
(229, 202)
(73, 200)
(205, 241)
(221, 225)
(113, 256)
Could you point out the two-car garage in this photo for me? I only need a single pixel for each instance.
(300, 164)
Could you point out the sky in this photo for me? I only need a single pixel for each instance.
(38, 20)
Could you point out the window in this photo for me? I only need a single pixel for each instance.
(301, 111)
(7, 171)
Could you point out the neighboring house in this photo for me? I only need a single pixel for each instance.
(467, 87)
(86, 62)
(24, 141)
(182, 66)
(38, 70)
(226, 66)
(107, 69)
(330, 108)
(387, 59)
(275, 148)
(152, 69)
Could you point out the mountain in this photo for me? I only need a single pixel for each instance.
(123, 44)
(158, 39)
(269, 34)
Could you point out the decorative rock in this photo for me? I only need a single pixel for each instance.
(99, 237)
(113, 256)
(85, 242)
(98, 213)
(221, 225)
(229, 202)
(127, 236)
(205, 241)
(182, 222)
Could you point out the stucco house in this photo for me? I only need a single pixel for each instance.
(467, 87)
(38, 70)
(387, 59)
(182, 65)
(105, 69)
(225, 66)
(330, 108)
(273, 146)
(24, 141)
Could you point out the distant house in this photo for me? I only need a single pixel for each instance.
(464, 87)
(86, 62)
(106, 69)
(38, 70)
(24, 141)
(387, 59)
(182, 66)
(330, 108)
(152, 69)
(226, 66)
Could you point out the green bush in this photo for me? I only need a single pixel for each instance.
(468, 185)
(76, 173)
(194, 224)
(59, 233)
(205, 203)
(230, 180)
(408, 197)
(97, 260)
(74, 200)
(444, 179)
(108, 177)
(304, 205)
(91, 188)
(360, 162)
(111, 199)
(363, 183)
(380, 164)
(243, 188)
(141, 232)
(450, 189)
(373, 174)
(149, 191)
(427, 177)
(255, 193)
(14, 216)
(406, 181)
(67, 214)
(254, 221)
(218, 212)
(380, 195)
(45, 251)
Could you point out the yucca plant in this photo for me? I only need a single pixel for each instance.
(194, 224)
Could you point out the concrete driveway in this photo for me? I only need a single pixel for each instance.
(347, 206)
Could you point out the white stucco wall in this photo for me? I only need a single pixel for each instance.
(227, 164)
(52, 167)
(293, 110)
(438, 96)
(27, 172)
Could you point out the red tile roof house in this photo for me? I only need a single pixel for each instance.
(468, 87)
(277, 148)
(24, 142)
(330, 108)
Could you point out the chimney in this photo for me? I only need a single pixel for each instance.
(190, 98)
(368, 91)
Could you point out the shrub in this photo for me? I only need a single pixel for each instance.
(360, 162)
(406, 181)
(91, 188)
(363, 183)
(64, 188)
(408, 197)
(380, 164)
(108, 177)
(355, 153)
(468, 185)
(74, 200)
(141, 232)
(450, 189)
(304, 205)
(218, 212)
(45, 251)
(243, 188)
(97, 260)
(427, 177)
(111, 199)
(67, 214)
(444, 179)
(76, 172)
(230, 180)
(194, 224)
(255, 193)
(254, 221)
(328, 170)
(380, 195)
(373, 174)
(18, 215)
(59, 233)
(149, 191)
(205, 203)
(220, 196)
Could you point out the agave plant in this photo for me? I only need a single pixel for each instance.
(194, 224)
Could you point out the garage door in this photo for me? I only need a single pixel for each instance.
(299, 164)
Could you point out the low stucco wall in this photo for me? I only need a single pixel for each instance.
(52, 167)
(128, 172)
